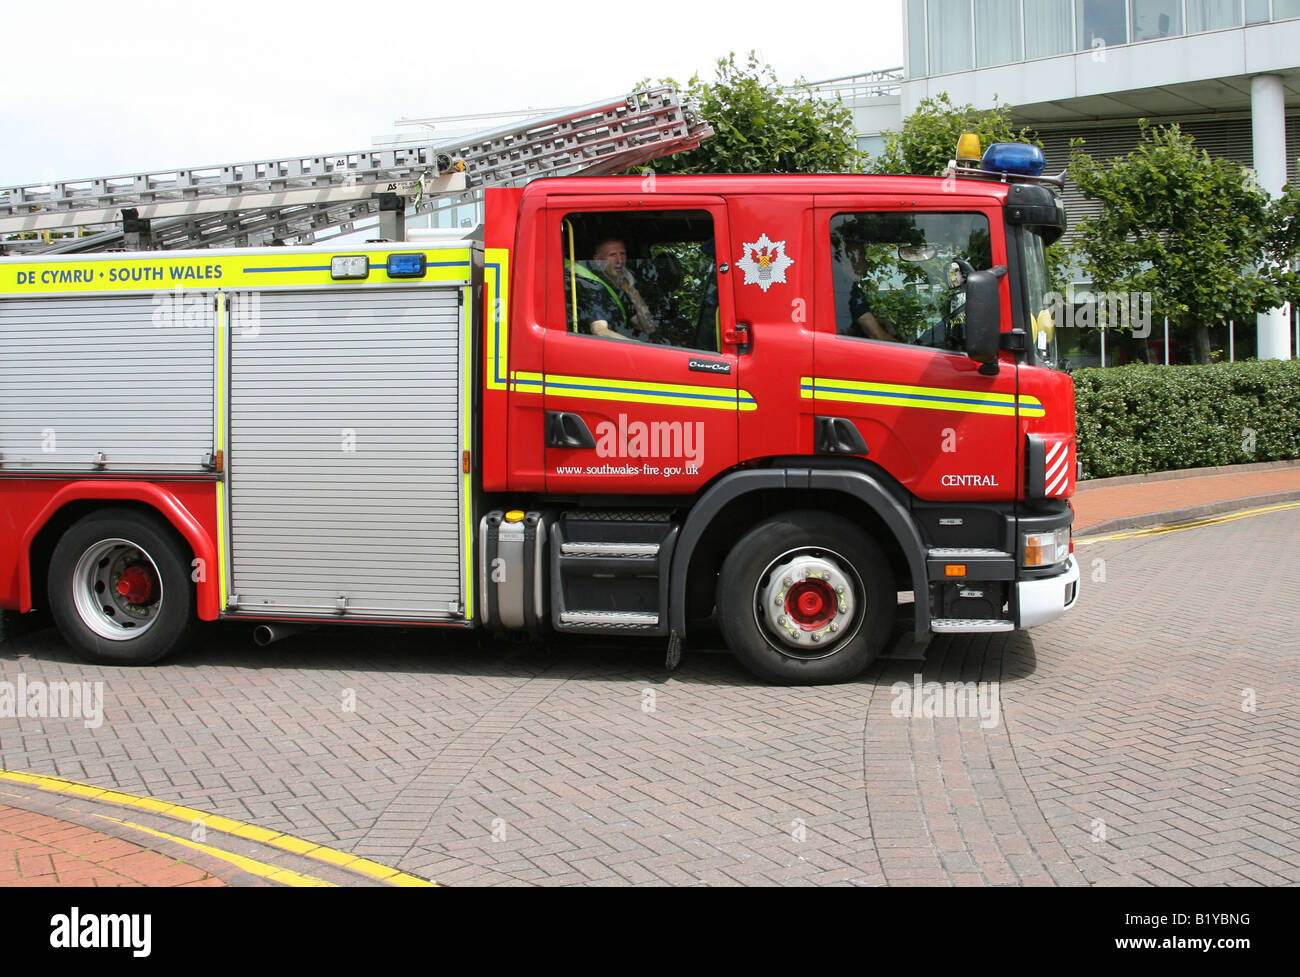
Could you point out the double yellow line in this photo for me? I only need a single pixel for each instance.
(229, 826)
(1193, 524)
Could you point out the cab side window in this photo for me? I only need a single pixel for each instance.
(644, 276)
(900, 277)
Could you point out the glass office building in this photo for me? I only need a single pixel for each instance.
(1227, 71)
(945, 36)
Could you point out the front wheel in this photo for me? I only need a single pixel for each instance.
(119, 588)
(806, 598)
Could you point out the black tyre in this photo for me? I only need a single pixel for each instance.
(120, 589)
(806, 598)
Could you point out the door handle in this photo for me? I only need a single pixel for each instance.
(738, 335)
(839, 436)
(565, 430)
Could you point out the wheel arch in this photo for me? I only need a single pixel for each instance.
(79, 499)
(742, 498)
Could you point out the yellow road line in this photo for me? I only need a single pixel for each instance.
(239, 829)
(1183, 526)
(250, 865)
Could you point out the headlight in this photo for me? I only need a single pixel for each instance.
(1047, 549)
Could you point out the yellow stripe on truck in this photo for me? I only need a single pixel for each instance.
(496, 305)
(221, 413)
(158, 272)
(467, 448)
(925, 398)
(634, 391)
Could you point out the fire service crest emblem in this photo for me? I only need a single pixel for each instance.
(765, 263)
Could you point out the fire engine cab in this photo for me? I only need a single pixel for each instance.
(821, 412)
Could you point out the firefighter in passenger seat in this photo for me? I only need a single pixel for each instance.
(864, 320)
(609, 304)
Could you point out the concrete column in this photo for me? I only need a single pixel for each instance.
(1268, 135)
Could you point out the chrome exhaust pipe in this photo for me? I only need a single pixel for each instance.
(265, 634)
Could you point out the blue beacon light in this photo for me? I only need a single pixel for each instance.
(406, 265)
(1014, 157)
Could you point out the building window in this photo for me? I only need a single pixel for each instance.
(950, 36)
(1156, 18)
(1212, 15)
(916, 39)
(997, 32)
(1101, 23)
(871, 145)
(1257, 11)
(1283, 9)
(1049, 28)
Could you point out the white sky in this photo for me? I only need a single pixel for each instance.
(102, 88)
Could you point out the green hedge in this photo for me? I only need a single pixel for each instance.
(1144, 418)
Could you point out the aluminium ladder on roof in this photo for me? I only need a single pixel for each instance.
(299, 199)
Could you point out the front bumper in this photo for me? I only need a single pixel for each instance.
(1046, 599)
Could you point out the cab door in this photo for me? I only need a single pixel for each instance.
(632, 416)
(924, 410)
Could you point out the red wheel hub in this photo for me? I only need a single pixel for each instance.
(135, 585)
(811, 603)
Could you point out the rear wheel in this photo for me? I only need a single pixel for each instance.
(806, 598)
(119, 588)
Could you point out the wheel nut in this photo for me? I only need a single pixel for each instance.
(816, 636)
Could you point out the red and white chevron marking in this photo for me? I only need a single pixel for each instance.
(1058, 481)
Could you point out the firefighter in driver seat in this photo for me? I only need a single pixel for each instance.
(609, 304)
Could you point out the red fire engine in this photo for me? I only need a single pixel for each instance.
(822, 412)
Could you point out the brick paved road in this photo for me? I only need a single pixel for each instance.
(1135, 499)
(39, 850)
(1119, 751)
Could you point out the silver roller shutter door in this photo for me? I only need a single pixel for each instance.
(81, 376)
(345, 454)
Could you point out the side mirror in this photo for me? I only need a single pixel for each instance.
(984, 318)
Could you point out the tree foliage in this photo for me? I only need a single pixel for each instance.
(759, 127)
(928, 138)
(1195, 231)
(927, 142)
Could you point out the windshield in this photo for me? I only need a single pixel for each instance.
(1042, 303)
